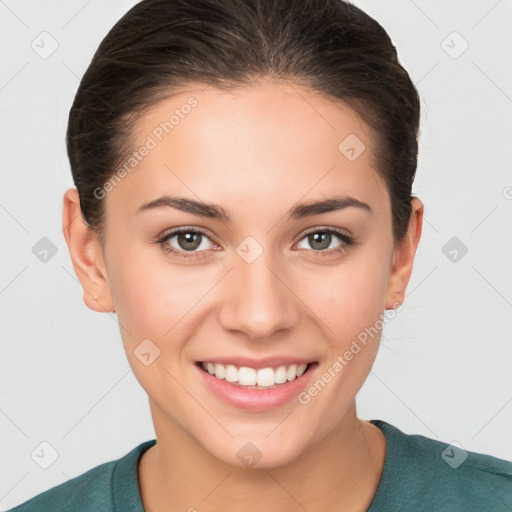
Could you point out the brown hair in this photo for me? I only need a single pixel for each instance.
(160, 46)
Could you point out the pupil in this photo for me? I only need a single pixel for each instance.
(317, 238)
(189, 243)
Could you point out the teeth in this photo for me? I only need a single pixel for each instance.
(220, 371)
(301, 369)
(246, 376)
(252, 378)
(231, 373)
(291, 373)
(265, 377)
(280, 375)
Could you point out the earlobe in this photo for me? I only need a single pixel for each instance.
(403, 257)
(86, 254)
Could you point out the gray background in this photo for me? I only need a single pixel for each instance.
(444, 366)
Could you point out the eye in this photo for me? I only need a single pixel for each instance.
(321, 239)
(191, 241)
(188, 242)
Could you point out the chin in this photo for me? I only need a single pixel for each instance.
(257, 451)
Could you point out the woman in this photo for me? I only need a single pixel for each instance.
(243, 175)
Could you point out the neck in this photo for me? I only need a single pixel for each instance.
(341, 472)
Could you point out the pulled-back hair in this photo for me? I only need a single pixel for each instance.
(160, 46)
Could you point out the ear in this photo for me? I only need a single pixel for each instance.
(403, 257)
(86, 254)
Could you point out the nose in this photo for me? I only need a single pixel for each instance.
(257, 299)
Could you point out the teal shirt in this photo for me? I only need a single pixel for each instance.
(420, 474)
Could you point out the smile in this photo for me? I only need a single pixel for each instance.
(251, 378)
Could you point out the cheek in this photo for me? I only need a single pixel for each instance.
(156, 303)
(154, 298)
(349, 297)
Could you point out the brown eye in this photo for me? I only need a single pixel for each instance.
(322, 240)
(188, 242)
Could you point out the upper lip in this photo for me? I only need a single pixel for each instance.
(266, 362)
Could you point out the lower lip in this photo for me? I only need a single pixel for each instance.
(254, 399)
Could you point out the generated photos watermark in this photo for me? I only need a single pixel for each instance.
(151, 142)
(357, 345)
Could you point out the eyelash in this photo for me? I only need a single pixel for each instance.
(346, 239)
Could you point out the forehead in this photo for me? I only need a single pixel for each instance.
(274, 141)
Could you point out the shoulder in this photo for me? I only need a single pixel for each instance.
(88, 491)
(427, 474)
(99, 488)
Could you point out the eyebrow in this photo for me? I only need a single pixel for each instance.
(213, 211)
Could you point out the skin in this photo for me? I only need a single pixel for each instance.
(256, 152)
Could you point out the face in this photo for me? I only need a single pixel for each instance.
(270, 284)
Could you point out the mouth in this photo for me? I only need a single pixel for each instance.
(260, 379)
